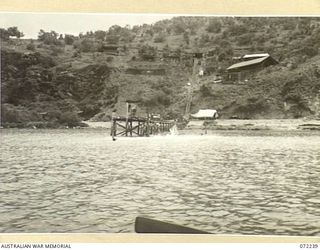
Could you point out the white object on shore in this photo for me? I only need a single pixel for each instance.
(174, 130)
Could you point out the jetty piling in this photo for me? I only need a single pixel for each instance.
(138, 126)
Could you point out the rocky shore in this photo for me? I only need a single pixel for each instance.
(220, 124)
(238, 124)
(261, 124)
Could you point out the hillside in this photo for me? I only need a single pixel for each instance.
(63, 79)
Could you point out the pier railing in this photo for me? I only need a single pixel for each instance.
(139, 126)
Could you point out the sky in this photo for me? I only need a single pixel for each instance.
(73, 23)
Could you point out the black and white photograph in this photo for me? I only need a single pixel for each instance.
(160, 123)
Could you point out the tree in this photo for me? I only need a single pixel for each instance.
(100, 35)
(186, 37)
(114, 30)
(159, 38)
(178, 26)
(166, 51)
(86, 45)
(69, 39)
(13, 31)
(70, 118)
(31, 46)
(89, 34)
(245, 39)
(49, 37)
(5, 34)
(204, 39)
(214, 26)
(147, 52)
(237, 29)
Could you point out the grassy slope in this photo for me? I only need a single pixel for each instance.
(92, 84)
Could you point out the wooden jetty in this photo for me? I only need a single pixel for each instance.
(138, 126)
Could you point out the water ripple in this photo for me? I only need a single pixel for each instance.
(81, 181)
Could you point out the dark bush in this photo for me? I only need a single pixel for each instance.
(147, 52)
(237, 29)
(245, 39)
(13, 31)
(31, 46)
(17, 114)
(159, 38)
(87, 45)
(178, 26)
(70, 119)
(163, 99)
(4, 34)
(55, 50)
(205, 91)
(69, 39)
(100, 35)
(214, 26)
(252, 107)
(109, 59)
(49, 38)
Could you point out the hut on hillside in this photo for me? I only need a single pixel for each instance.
(206, 114)
(248, 66)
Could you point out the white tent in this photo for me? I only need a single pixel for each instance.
(206, 114)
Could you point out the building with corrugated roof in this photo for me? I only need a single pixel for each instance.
(248, 66)
(253, 56)
(204, 114)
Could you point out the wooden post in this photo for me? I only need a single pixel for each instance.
(147, 132)
(113, 129)
(127, 117)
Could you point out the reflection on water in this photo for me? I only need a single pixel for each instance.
(82, 181)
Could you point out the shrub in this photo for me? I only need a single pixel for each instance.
(178, 26)
(31, 46)
(163, 99)
(70, 119)
(13, 31)
(245, 39)
(204, 39)
(147, 52)
(205, 91)
(69, 39)
(55, 50)
(160, 38)
(237, 29)
(109, 59)
(214, 26)
(186, 37)
(252, 107)
(49, 38)
(4, 34)
(100, 35)
(86, 45)
(17, 114)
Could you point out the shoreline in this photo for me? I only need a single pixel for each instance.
(237, 124)
(216, 125)
(261, 124)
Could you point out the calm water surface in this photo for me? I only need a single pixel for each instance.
(225, 183)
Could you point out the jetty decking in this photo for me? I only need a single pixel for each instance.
(138, 126)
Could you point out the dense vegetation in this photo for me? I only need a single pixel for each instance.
(61, 79)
